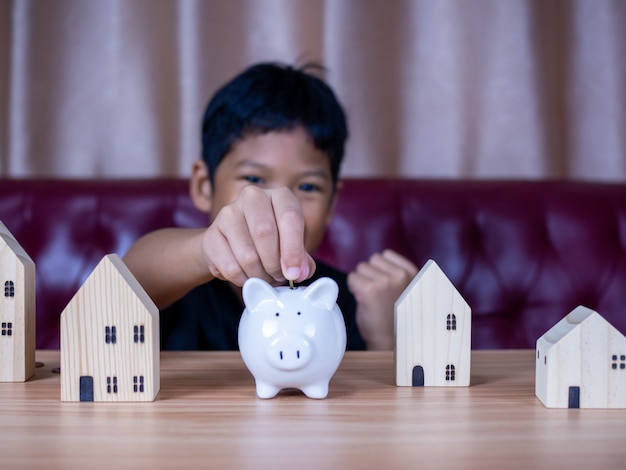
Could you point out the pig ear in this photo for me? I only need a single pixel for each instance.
(255, 291)
(323, 290)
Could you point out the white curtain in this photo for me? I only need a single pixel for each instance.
(432, 88)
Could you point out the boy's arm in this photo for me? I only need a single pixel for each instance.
(167, 263)
(376, 285)
(260, 234)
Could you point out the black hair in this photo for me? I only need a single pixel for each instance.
(274, 97)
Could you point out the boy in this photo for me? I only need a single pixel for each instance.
(272, 143)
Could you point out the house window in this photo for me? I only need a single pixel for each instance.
(450, 373)
(112, 384)
(139, 335)
(451, 322)
(618, 362)
(110, 335)
(7, 329)
(9, 289)
(138, 384)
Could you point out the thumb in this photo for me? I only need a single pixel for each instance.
(300, 272)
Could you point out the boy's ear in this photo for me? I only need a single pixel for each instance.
(200, 188)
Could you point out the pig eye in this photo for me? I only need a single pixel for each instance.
(298, 313)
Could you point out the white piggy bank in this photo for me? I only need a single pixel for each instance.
(292, 338)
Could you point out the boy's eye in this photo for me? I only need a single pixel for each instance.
(308, 187)
(253, 179)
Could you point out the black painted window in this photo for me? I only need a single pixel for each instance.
(450, 373)
(138, 382)
(451, 322)
(110, 335)
(618, 362)
(9, 289)
(112, 384)
(139, 334)
(7, 329)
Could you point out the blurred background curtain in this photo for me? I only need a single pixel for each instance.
(432, 88)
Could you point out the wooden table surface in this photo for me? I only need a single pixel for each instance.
(208, 416)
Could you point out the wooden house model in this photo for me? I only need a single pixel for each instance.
(17, 310)
(581, 363)
(110, 338)
(432, 332)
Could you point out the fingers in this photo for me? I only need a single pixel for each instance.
(399, 261)
(294, 259)
(385, 275)
(221, 260)
(261, 234)
(376, 284)
(245, 242)
(387, 264)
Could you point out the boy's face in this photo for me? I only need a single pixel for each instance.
(279, 159)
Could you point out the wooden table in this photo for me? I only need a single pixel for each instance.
(207, 416)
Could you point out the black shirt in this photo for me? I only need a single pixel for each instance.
(207, 318)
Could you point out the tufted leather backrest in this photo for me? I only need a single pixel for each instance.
(523, 254)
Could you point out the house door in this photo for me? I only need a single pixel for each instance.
(574, 397)
(418, 376)
(86, 388)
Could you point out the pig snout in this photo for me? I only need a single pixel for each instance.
(290, 352)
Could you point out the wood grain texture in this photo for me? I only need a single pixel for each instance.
(432, 331)
(17, 310)
(110, 333)
(208, 416)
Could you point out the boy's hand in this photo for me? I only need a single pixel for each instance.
(260, 234)
(376, 285)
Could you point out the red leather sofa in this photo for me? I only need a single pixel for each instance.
(522, 253)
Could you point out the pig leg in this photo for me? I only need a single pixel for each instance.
(318, 390)
(266, 390)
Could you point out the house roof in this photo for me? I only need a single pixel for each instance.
(570, 323)
(430, 270)
(7, 237)
(112, 266)
(132, 282)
